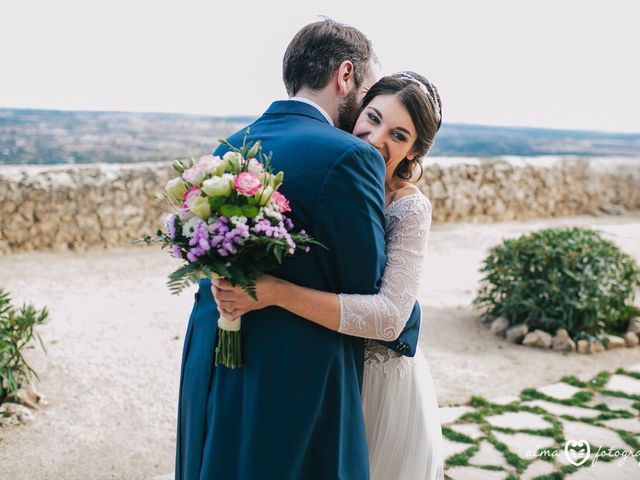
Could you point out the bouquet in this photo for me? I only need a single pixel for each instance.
(228, 220)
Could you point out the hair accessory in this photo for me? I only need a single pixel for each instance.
(426, 89)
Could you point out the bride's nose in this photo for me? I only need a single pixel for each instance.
(375, 138)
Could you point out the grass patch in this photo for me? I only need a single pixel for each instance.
(630, 439)
(512, 459)
(616, 393)
(600, 380)
(461, 459)
(622, 371)
(577, 400)
(573, 381)
(456, 436)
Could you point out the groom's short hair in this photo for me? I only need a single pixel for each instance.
(318, 49)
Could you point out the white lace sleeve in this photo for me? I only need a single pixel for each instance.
(383, 316)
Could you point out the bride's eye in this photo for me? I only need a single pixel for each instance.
(400, 137)
(373, 117)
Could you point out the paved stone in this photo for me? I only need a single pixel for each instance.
(488, 455)
(559, 409)
(469, 429)
(607, 470)
(472, 473)
(631, 425)
(450, 447)
(519, 420)
(623, 383)
(537, 468)
(524, 444)
(561, 390)
(596, 436)
(451, 414)
(562, 460)
(505, 399)
(634, 368)
(614, 403)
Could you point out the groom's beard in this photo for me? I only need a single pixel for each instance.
(348, 112)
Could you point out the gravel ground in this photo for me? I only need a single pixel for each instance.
(114, 340)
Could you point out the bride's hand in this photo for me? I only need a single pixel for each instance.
(236, 302)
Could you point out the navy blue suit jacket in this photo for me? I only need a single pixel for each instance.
(294, 410)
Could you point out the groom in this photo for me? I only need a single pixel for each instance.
(294, 410)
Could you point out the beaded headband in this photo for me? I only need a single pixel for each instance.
(426, 90)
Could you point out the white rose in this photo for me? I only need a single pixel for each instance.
(194, 175)
(212, 165)
(263, 196)
(216, 187)
(200, 207)
(234, 160)
(175, 188)
(255, 166)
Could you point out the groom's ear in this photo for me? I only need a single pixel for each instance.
(346, 74)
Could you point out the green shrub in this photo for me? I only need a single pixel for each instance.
(560, 278)
(16, 334)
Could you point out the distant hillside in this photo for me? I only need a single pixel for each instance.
(483, 141)
(47, 136)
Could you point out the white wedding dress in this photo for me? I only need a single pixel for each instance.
(398, 395)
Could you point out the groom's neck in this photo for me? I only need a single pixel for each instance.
(325, 98)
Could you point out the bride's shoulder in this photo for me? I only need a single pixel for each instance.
(406, 191)
(412, 193)
(409, 200)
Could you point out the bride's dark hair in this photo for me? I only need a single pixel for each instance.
(421, 99)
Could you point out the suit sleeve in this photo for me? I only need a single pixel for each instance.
(349, 220)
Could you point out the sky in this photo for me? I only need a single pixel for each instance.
(568, 64)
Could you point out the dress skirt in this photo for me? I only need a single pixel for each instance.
(402, 424)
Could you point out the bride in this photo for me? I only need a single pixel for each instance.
(400, 117)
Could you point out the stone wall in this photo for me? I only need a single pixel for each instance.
(102, 205)
(517, 188)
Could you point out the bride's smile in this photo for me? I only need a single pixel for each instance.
(386, 125)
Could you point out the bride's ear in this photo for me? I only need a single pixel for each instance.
(346, 74)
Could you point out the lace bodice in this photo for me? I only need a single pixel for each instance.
(383, 316)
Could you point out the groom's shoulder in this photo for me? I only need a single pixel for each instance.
(335, 144)
(311, 137)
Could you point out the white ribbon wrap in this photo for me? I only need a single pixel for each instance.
(229, 324)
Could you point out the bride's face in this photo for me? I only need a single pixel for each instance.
(386, 124)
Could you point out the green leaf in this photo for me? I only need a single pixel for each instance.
(231, 210)
(250, 211)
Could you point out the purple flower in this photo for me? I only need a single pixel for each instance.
(171, 226)
(204, 244)
(176, 251)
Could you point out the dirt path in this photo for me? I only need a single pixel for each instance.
(115, 335)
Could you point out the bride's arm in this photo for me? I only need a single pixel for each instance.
(380, 316)
(317, 306)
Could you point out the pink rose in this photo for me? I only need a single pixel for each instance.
(255, 166)
(210, 164)
(281, 202)
(247, 183)
(194, 175)
(189, 195)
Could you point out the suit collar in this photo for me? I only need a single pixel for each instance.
(289, 107)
